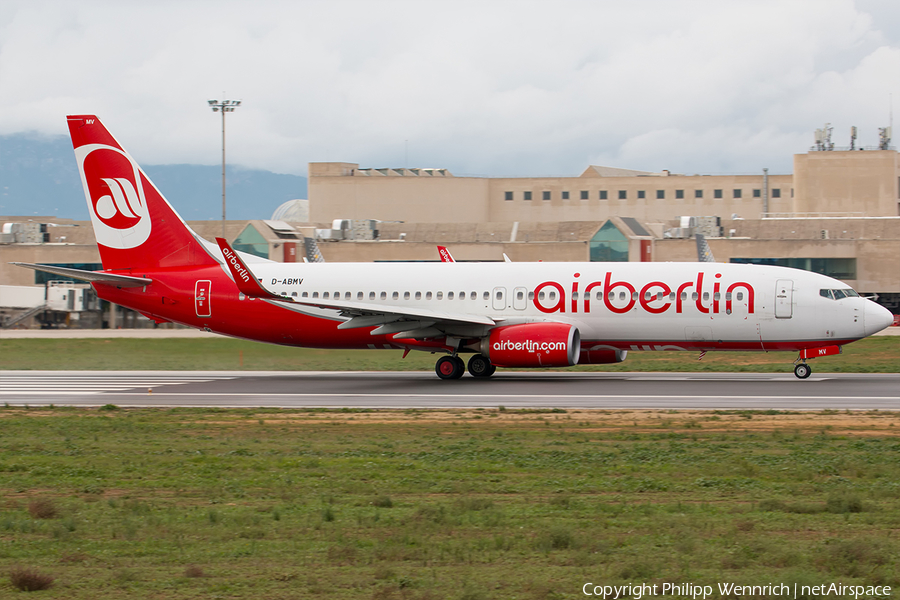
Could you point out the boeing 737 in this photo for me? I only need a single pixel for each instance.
(503, 314)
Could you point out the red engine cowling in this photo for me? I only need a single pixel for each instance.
(604, 356)
(533, 345)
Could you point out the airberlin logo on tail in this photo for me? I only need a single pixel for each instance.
(115, 195)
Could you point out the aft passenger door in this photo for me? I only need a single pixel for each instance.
(201, 298)
(784, 298)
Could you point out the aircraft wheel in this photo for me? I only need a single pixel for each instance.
(802, 371)
(480, 366)
(449, 367)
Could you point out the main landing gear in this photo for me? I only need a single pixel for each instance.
(453, 367)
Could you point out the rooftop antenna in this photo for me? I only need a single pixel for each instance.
(823, 138)
(853, 137)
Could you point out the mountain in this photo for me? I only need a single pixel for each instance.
(38, 176)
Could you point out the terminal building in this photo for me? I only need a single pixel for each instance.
(838, 214)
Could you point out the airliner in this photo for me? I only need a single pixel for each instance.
(501, 314)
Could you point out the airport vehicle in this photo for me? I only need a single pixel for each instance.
(503, 314)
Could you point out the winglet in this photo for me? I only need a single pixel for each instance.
(243, 277)
(445, 254)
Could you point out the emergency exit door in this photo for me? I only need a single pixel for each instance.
(784, 298)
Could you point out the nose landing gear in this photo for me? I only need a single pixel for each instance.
(802, 370)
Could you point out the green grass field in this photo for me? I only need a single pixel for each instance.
(467, 505)
(875, 354)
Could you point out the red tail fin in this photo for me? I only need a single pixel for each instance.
(135, 226)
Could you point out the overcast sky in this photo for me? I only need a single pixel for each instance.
(486, 88)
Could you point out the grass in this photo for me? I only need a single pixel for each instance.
(876, 354)
(459, 504)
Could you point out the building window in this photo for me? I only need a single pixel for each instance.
(641, 194)
(603, 194)
(507, 195)
(717, 193)
(757, 193)
(776, 193)
(565, 195)
(609, 245)
(546, 195)
(737, 193)
(584, 194)
(623, 194)
(679, 194)
(839, 268)
(660, 194)
(527, 196)
(698, 193)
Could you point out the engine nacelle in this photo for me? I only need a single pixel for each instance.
(533, 345)
(604, 356)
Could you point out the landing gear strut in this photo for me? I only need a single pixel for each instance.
(480, 366)
(450, 367)
(802, 370)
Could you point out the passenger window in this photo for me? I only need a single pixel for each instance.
(305, 295)
(500, 295)
(740, 296)
(337, 295)
(541, 296)
(705, 296)
(728, 296)
(634, 295)
(428, 295)
(520, 295)
(294, 294)
(694, 296)
(440, 295)
(315, 294)
(487, 295)
(599, 296)
(646, 295)
(371, 295)
(449, 295)
(384, 295)
(574, 295)
(347, 295)
(406, 295)
(659, 295)
(418, 295)
(473, 296)
(622, 295)
(683, 296)
(325, 295)
(462, 295)
(717, 296)
(552, 296)
(530, 295)
(395, 296)
(672, 296)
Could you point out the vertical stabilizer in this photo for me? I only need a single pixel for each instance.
(135, 226)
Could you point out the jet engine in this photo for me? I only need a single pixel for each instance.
(533, 345)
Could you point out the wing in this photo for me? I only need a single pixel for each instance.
(406, 322)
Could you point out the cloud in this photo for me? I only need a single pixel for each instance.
(498, 88)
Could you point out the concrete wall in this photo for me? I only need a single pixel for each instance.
(858, 181)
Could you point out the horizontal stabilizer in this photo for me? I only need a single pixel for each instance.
(91, 276)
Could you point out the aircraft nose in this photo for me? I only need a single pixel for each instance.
(876, 317)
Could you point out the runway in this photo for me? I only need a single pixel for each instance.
(424, 390)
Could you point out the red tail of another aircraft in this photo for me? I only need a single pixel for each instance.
(135, 226)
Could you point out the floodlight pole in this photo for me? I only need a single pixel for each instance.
(223, 107)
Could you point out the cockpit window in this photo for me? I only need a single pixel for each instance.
(838, 294)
